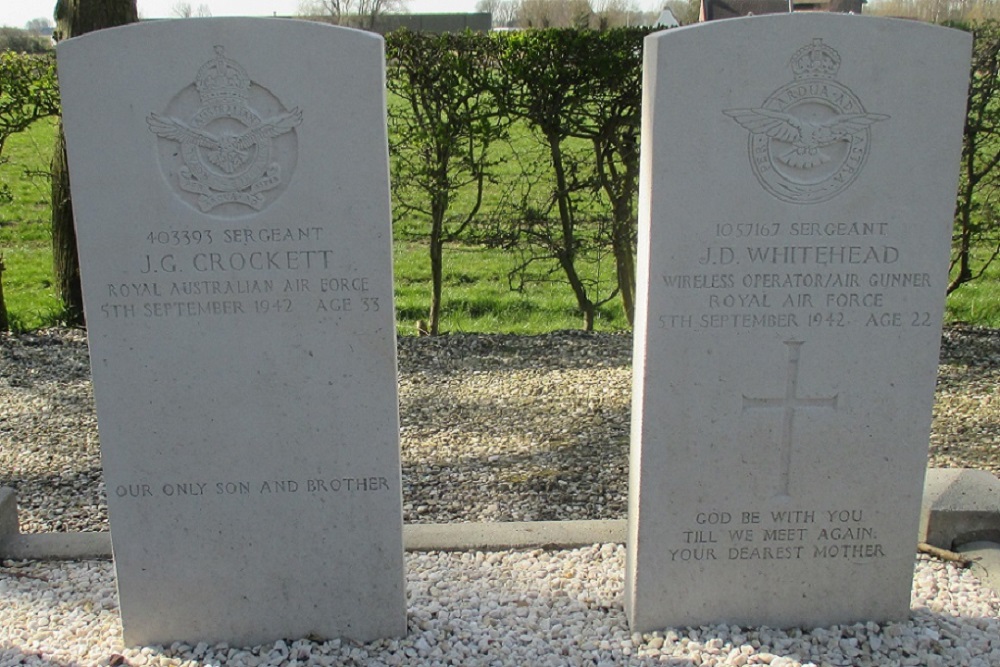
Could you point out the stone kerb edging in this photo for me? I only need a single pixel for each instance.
(960, 506)
(961, 511)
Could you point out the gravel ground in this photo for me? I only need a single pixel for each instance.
(523, 609)
(494, 428)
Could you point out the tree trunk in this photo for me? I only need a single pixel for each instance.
(964, 273)
(567, 241)
(966, 195)
(621, 245)
(437, 272)
(4, 323)
(64, 255)
(75, 18)
(620, 187)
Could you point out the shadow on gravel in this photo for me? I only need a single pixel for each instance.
(523, 487)
(69, 501)
(494, 427)
(571, 350)
(966, 345)
(10, 656)
(29, 359)
(515, 428)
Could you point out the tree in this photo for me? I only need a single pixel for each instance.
(554, 14)
(615, 14)
(612, 123)
(22, 41)
(74, 18)
(504, 11)
(336, 11)
(39, 26)
(357, 13)
(442, 132)
(28, 92)
(976, 242)
(182, 10)
(552, 89)
(936, 11)
(592, 94)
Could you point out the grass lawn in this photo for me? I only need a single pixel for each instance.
(977, 302)
(25, 229)
(477, 293)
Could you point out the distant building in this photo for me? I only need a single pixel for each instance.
(713, 10)
(476, 22)
(666, 19)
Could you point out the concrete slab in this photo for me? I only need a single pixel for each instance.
(960, 506)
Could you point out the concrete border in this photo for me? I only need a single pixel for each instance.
(511, 535)
(960, 506)
(416, 537)
(56, 546)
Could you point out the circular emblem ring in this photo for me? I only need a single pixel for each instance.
(247, 173)
(795, 175)
(237, 141)
(810, 138)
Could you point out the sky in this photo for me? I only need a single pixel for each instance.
(16, 13)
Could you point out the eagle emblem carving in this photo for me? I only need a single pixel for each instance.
(227, 152)
(807, 138)
(810, 139)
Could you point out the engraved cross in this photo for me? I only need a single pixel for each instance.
(789, 404)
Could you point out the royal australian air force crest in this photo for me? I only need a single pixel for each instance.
(810, 138)
(226, 144)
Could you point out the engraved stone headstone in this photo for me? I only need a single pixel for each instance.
(230, 186)
(795, 218)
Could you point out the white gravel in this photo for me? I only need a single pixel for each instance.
(555, 449)
(533, 608)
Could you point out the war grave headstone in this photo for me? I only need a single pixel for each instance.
(230, 187)
(798, 180)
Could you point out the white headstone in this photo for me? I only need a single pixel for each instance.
(230, 186)
(798, 182)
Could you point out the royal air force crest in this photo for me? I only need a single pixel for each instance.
(810, 138)
(226, 143)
